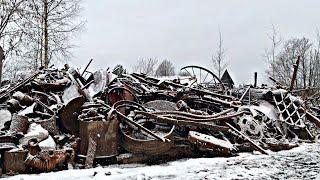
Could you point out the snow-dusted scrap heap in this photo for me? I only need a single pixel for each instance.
(62, 119)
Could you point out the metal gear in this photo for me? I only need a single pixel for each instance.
(251, 127)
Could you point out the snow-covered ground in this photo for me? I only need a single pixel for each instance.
(299, 163)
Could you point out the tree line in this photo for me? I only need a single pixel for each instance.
(283, 54)
(35, 32)
(151, 67)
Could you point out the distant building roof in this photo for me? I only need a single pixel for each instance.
(226, 78)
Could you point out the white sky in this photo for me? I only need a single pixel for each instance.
(186, 31)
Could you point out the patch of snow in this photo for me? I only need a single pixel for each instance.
(47, 144)
(28, 110)
(34, 131)
(299, 163)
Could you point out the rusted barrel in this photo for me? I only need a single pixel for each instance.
(14, 105)
(14, 161)
(105, 133)
(19, 124)
(24, 99)
(49, 124)
(146, 146)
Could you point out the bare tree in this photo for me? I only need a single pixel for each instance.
(183, 73)
(218, 57)
(270, 54)
(146, 66)
(282, 67)
(34, 32)
(315, 70)
(51, 26)
(10, 32)
(165, 68)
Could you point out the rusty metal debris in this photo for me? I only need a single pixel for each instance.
(62, 119)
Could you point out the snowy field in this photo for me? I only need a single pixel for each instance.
(299, 163)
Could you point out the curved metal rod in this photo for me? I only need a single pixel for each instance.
(172, 121)
(195, 116)
(117, 104)
(220, 118)
(52, 98)
(127, 120)
(191, 89)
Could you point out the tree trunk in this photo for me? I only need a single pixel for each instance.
(1, 62)
(46, 38)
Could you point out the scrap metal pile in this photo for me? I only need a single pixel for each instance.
(62, 119)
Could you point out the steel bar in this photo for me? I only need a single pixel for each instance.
(244, 94)
(220, 118)
(162, 119)
(20, 84)
(85, 69)
(195, 116)
(125, 118)
(263, 151)
(44, 106)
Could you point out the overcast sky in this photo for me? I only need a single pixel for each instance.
(186, 31)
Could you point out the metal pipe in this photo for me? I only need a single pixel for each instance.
(245, 92)
(126, 119)
(191, 119)
(193, 115)
(257, 147)
(255, 79)
(172, 121)
(85, 69)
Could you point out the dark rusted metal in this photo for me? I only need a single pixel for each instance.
(33, 147)
(116, 94)
(14, 161)
(146, 146)
(49, 124)
(183, 106)
(69, 114)
(255, 79)
(92, 148)
(175, 119)
(85, 69)
(167, 120)
(126, 119)
(13, 105)
(210, 143)
(46, 161)
(195, 116)
(313, 119)
(44, 106)
(53, 85)
(19, 124)
(256, 146)
(24, 99)
(161, 105)
(105, 133)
